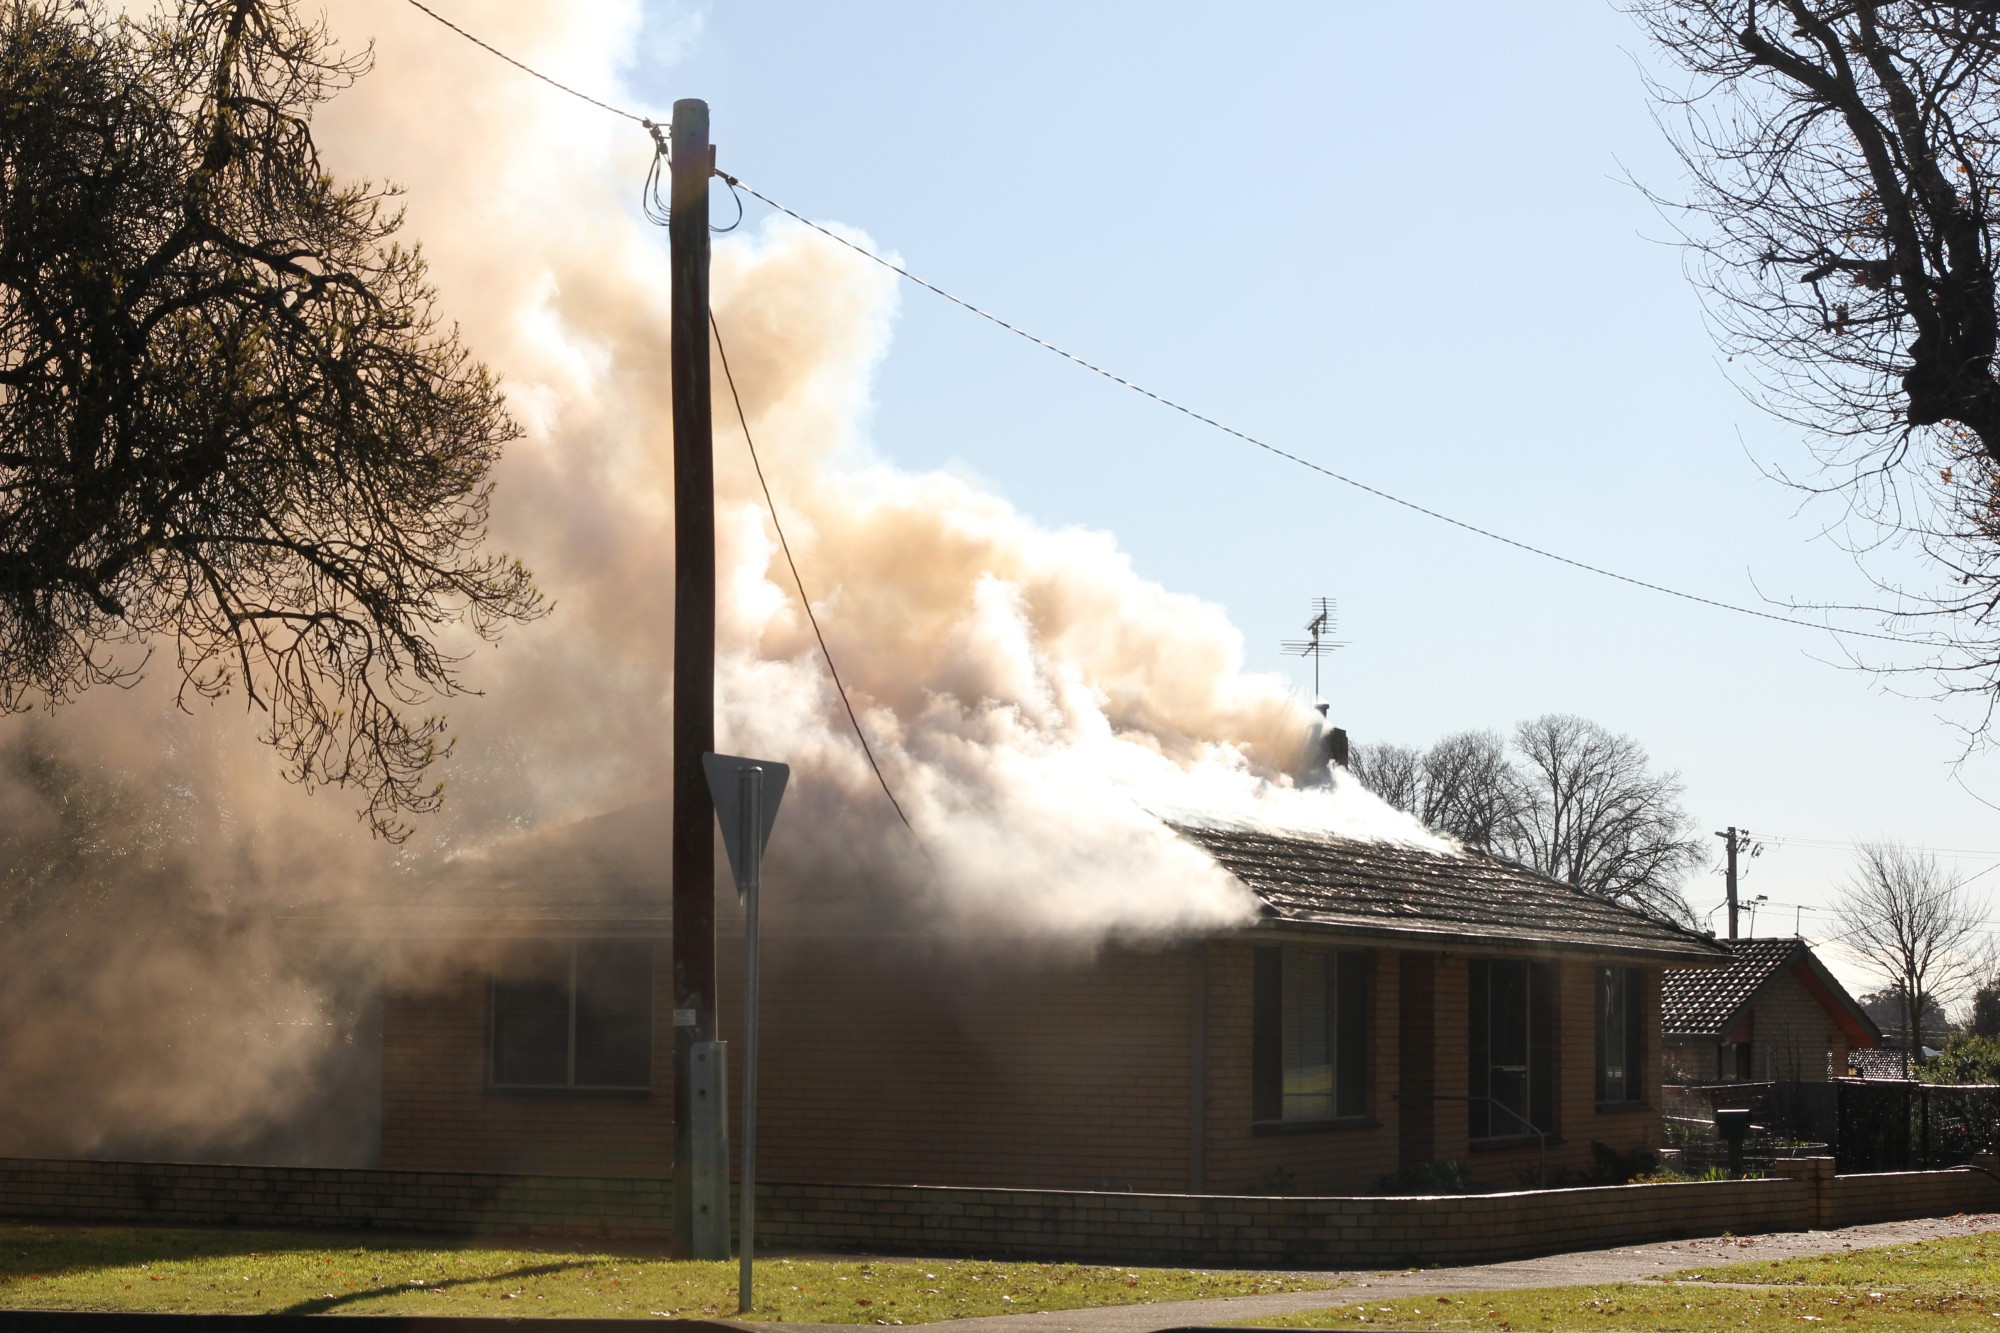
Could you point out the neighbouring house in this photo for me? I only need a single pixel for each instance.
(1773, 1014)
(1390, 1006)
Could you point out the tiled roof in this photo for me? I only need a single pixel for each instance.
(1707, 1004)
(1702, 1003)
(1382, 888)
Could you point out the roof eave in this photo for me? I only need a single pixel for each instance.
(1693, 954)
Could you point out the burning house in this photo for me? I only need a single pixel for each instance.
(1384, 1004)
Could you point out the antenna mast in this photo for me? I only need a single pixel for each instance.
(1318, 642)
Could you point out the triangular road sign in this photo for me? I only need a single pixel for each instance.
(725, 784)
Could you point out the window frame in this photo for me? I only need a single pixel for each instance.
(1539, 1051)
(571, 949)
(1349, 1000)
(1620, 996)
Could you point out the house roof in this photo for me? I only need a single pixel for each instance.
(611, 871)
(1708, 1003)
(1384, 888)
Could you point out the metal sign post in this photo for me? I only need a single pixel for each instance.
(747, 792)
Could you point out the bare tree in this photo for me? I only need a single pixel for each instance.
(1598, 817)
(1913, 926)
(1393, 772)
(1842, 156)
(1471, 791)
(1462, 786)
(1572, 800)
(229, 423)
(1843, 160)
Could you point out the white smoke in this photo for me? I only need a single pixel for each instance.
(1029, 696)
(1037, 706)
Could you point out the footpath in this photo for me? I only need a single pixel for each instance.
(1624, 1264)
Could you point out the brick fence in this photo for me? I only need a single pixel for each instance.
(1270, 1232)
(1046, 1224)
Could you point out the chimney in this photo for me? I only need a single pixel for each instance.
(1334, 739)
(1325, 750)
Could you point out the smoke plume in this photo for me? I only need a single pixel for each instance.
(1036, 705)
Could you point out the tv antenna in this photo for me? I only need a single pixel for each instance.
(1318, 641)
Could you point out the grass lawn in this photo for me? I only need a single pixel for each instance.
(240, 1272)
(1940, 1284)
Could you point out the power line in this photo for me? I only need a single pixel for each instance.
(805, 601)
(1842, 844)
(1307, 463)
(660, 152)
(1164, 401)
(529, 70)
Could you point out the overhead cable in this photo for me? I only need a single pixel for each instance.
(799, 583)
(735, 183)
(528, 69)
(1290, 457)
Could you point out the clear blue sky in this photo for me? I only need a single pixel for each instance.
(1405, 251)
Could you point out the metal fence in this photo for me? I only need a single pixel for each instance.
(1864, 1124)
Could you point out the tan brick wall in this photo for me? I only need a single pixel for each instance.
(945, 1068)
(1045, 1224)
(1578, 1120)
(936, 1068)
(1791, 1033)
(181, 1194)
(900, 1065)
(1314, 1161)
(1893, 1196)
(1254, 1232)
(437, 1114)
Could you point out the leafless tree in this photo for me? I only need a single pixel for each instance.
(1911, 924)
(1598, 817)
(230, 425)
(1462, 786)
(1471, 791)
(1571, 800)
(1843, 160)
(1393, 772)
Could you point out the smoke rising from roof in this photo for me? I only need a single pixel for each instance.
(1034, 701)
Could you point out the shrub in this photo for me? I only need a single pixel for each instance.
(1450, 1176)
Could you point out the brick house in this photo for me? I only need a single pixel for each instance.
(1390, 1006)
(1773, 1014)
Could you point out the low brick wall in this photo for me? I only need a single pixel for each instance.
(1893, 1196)
(199, 1194)
(1268, 1232)
(1253, 1231)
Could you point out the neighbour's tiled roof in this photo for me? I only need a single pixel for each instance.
(1707, 1004)
(1702, 1003)
(1385, 888)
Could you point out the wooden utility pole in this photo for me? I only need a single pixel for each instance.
(1730, 841)
(694, 642)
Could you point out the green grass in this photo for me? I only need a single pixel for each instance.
(228, 1272)
(1941, 1284)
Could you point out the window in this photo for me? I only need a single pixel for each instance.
(1620, 1052)
(1510, 1005)
(574, 1015)
(1309, 1058)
